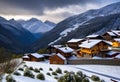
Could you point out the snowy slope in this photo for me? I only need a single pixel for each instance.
(82, 19)
(102, 69)
(107, 70)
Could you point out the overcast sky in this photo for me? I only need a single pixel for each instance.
(53, 10)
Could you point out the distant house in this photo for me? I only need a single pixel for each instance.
(52, 48)
(111, 54)
(116, 42)
(73, 57)
(58, 59)
(47, 56)
(65, 51)
(74, 43)
(33, 57)
(26, 58)
(61, 55)
(92, 47)
(109, 36)
(94, 36)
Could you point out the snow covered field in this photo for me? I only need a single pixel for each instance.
(103, 71)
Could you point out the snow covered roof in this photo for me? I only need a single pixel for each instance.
(117, 39)
(111, 33)
(66, 49)
(108, 42)
(57, 46)
(25, 56)
(118, 56)
(73, 57)
(96, 57)
(90, 43)
(46, 54)
(37, 55)
(75, 40)
(94, 35)
(117, 32)
(111, 53)
(61, 56)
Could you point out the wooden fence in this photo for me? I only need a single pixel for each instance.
(95, 61)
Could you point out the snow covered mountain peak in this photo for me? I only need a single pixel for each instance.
(106, 10)
(34, 20)
(37, 26)
(50, 23)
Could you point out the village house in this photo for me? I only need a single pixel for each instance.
(94, 36)
(65, 51)
(92, 47)
(111, 54)
(58, 59)
(47, 56)
(74, 43)
(52, 48)
(33, 57)
(61, 55)
(109, 36)
(116, 43)
(26, 58)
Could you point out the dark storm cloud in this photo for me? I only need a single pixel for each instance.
(36, 7)
(54, 10)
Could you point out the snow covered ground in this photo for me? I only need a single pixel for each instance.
(103, 71)
(113, 72)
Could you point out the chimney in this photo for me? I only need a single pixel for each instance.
(88, 40)
(66, 46)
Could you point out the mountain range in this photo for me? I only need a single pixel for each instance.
(13, 36)
(30, 36)
(37, 26)
(92, 21)
(17, 38)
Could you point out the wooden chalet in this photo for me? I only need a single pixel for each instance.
(109, 36)
(61, 55)
(26, 58)
(33, 57)
(111, 54)
(58, 59)
(92, 47)
(65, 51)
(74, 43)
(94, 36)
(116, 43)
(52, 48)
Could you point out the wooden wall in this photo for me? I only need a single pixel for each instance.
(56, 60)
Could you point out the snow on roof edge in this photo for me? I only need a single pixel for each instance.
(61, 56)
